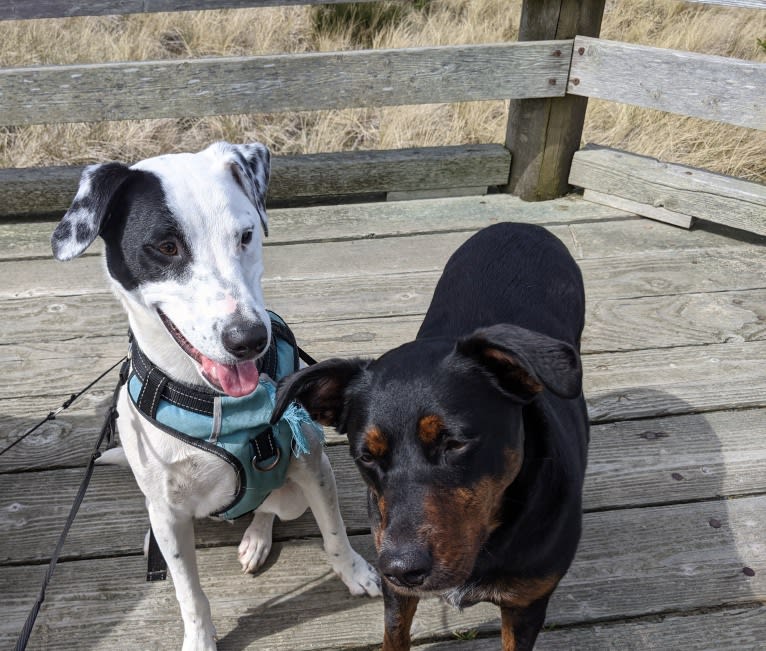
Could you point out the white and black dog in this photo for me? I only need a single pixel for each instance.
(183, 252)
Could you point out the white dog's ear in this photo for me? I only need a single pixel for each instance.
(251, 166)
(89, 210)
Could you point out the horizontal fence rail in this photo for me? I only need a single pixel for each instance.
(289, 82)
(29, 192)
(21, 9)
(741, 4)
(678, 189)
(699, 85)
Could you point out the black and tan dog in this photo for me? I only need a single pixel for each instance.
(472, 439)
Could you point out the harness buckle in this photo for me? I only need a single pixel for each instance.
(271, 466)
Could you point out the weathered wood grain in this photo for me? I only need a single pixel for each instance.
(544, 133)
(21, 9)
(79, 360)
(631, 464)
(643, 209)
(683, 320)
(112, 520)
(701, 85)
(744, 4)
(31, 238)
(630, 562)
(676, 459)
(596, 247)
(732, 628)
(647, 383)
(611, 324)
(46, 191)
(289, 82)
(685, 190)
(384, 296)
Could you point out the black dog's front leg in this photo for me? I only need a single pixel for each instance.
(520, 626)
(399, 611)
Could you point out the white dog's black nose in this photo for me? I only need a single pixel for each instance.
(245, 339)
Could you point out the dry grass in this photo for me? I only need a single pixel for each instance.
(664, 23)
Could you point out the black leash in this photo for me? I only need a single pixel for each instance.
(66, 404)
(310, 361)
(107, 434)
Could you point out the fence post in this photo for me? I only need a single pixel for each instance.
(544, 134)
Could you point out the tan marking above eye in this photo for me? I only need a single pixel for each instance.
(376, 442)
(429, 428)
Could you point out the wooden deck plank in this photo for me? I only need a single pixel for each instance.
(646, 383)
(638, 463)
(611, 324)
(628, 384)
(631, 562)
(732, 628)
(31, 239)
(377, 263)
(588, 229)
(643, 209)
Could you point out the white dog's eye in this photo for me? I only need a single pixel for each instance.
(246, 238)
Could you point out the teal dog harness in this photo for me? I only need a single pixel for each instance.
(236, 430)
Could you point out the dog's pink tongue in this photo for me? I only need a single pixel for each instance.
(236, 380)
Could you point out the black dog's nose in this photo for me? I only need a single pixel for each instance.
(407, 566)
(244, 339)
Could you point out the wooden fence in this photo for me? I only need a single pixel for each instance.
(557, 64)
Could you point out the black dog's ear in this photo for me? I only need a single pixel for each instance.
(89, 210)
(320, 389)
(524, 362)
(250, 164)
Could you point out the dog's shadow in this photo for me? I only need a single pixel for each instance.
(281, 619)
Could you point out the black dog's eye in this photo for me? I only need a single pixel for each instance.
(366, 459)
(168, 248)
(455, 447)
(246, 238)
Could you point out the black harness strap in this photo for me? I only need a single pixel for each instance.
(158, 386)
(151, 391)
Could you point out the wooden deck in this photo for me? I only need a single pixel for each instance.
(673, 554)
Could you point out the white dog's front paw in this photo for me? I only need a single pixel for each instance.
(202, 638)
(256, 542)
(360, 577)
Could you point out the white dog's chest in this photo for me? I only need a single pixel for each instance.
(192, 481)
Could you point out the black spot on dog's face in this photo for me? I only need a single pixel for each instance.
(144, 241)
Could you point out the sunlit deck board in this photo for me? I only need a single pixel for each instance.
(675, 348)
